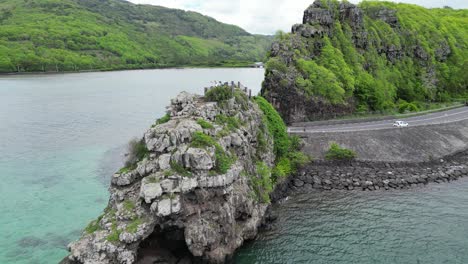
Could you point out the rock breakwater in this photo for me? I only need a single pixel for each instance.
(371, 176)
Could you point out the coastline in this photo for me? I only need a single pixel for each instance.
(227, 66)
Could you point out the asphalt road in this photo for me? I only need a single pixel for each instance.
(453, 115)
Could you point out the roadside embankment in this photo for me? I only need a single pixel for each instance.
(411, 144)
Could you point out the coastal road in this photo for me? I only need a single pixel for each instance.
(452, 115)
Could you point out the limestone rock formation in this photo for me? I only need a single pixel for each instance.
(191, 198)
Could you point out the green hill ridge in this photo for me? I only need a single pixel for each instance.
(72, 35)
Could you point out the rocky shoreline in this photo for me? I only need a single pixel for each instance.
(372, 176)
(194, 195)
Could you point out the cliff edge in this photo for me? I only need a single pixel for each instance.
(372, 57)
(194, 189)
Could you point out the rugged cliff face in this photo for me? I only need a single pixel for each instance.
(197, 193)
(345, 58)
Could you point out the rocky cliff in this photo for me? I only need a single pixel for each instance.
(372, 57)
(195, 195)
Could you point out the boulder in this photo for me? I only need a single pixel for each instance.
(164, 162)
(199, 159)
(150, 190)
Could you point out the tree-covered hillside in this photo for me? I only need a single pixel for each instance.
(69, 35)
(371, 57)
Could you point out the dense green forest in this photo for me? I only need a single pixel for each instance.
(372, 57)
(71, 35)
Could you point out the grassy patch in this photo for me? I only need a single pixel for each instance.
(153, 179)
(204, 124)
(262, 183)
(133, 226)
(223, 159)
(201, 140)
(224, 132)
(94, 225)
(115, 233)
(162, 120)
(232, 123)
(128, 205)
(179, 169)
(127, 169)
(336, 152)
(168, 173)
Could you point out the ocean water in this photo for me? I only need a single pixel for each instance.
(61, 138)
(427, 225)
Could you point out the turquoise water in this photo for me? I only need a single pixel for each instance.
(62, 136)
(420, 226)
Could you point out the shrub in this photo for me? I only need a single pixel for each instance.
(94, 225)
(162, 120)
(298, 159)
(201, 140)
(275, 64)
(232, 123)
(179, 169)
(338, 153)
(295, 143)
(289, 164)
(223, 160)
(276, 127)
(219, 93)
(261, 143)
(262, 184)
(404, 107)
(136, 151)
(241, 99)
(282, 168)
(288, 156)
(204, 124)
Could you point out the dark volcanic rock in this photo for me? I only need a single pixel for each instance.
(387, 15)
(345, 25)
(374, 176)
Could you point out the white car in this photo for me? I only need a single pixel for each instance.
(400, 124)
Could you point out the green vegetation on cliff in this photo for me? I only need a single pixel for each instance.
(367, 58)
(286, 148)
(71, 35)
